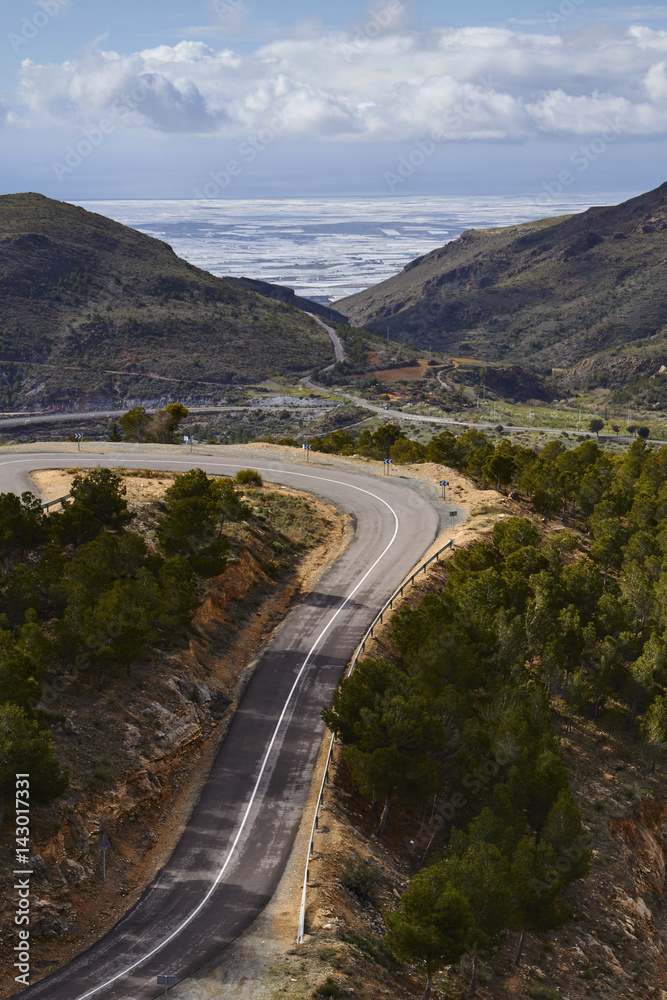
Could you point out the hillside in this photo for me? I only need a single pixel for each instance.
(94, 314)
(284, 294)
(584, 295)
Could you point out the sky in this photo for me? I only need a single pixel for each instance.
(249, 98)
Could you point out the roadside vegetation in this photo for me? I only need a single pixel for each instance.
(84, 595)
(457, 723)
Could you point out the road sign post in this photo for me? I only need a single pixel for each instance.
(166, 981)
(387, 463)
(444, 484)
(79, 439)
(307, 448)
(104, 844)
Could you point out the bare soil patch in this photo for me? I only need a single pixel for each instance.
(411, 373)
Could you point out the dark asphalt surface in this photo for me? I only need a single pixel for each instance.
(230, 859)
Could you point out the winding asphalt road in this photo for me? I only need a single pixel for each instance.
(229, 861)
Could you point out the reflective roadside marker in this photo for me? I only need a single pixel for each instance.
(166, 981)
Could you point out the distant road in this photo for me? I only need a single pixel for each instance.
(335, 340)
(34, 419)
(383, 411)
(387, 411)
(234, 849)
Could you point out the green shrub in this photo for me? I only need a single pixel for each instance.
(249, 477)
(368, 944)
(329, 989)
(540, 991)
(361, 878)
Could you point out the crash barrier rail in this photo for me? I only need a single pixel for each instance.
(52, 503)
(361, 649)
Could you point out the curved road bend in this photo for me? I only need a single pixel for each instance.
(229, 860)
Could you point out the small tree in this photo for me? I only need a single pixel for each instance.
(434, 926)
(564, 832)
(192, 526)
(22, 662)
(644, 432)
(535, 885)
(22, 525)
(515, 533)
(134, 423)
(26, 748)
(161, 427)
(654, 728)
(500, 467)
(391, 734)
(482, 876)
(596, 425)
(178, 593)
(98, 502)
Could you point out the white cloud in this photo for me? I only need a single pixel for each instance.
(399, 84)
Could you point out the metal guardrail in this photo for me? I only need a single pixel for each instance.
(369, 635)
(52, 503)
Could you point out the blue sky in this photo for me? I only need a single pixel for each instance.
(246, 98)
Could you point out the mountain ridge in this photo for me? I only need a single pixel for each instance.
(551, 294)
(93, 313)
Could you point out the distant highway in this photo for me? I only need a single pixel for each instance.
(232, 854)
(34, 419)
(388, 411)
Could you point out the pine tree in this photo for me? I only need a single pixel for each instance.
(654, 728)
(434, 925)
(26, 748)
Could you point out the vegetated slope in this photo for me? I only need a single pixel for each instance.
(586, 292)
(93, 313)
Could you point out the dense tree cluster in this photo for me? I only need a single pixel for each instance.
(553, 477)
(463, 716)
(463, 711)
(82, 594)
(160, 427)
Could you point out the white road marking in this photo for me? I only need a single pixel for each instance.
(199, 907)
